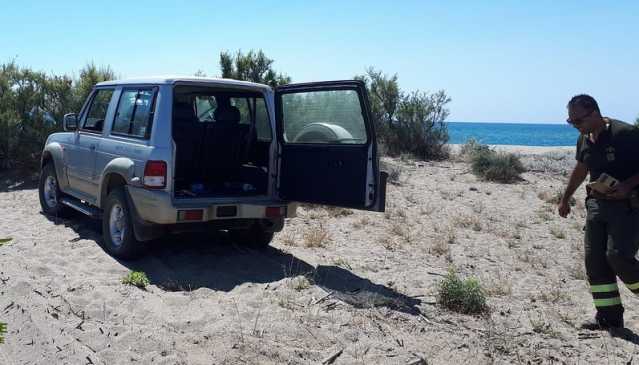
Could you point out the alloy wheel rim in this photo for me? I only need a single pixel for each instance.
(117, 224)
(50, 192)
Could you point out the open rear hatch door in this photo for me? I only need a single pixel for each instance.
(327, 146)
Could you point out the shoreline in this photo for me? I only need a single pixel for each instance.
(521, 149)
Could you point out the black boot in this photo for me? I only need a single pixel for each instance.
(604, 323)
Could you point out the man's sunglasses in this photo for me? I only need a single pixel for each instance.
(579, 120)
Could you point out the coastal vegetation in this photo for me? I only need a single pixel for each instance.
(491, 165)
(32, 105)
(136, 278)
(462, 295)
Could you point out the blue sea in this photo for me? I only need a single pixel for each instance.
(524, 134)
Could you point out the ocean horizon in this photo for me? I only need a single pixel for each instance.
(513, 133)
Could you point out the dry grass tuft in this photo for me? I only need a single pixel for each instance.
(337, 212)
(558, 232)
(300, 283)
(288, 237)
(466, 221)
(362, 222)
(317, 236)
(501, 287)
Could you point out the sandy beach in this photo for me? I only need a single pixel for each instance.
(355, 287)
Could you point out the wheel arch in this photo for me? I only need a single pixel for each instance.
(118, 172)
(53, 153)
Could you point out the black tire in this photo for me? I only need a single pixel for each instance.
(50, 199)
(121, 243)
(256, 237)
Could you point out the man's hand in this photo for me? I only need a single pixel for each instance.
(563, 208)
(620, 191)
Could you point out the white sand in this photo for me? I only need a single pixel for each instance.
(524, 150)
(214, 302)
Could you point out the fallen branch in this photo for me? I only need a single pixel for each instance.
(332, 358)
(323, 298)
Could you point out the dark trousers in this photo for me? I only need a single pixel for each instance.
(611, 243)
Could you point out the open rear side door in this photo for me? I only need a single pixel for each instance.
(327, 146)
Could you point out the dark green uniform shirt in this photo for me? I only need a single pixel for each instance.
(616, 151)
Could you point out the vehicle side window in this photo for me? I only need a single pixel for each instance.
(262, 123)
(326, 116)
(135, 113)
(98, 110)
(204, 107)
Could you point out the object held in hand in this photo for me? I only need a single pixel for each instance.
(603, 184)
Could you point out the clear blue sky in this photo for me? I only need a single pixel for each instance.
(498, 60)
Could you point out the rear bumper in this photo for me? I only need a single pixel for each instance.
(158, 207)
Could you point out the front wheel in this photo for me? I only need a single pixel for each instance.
(117, 227)
(50, 194)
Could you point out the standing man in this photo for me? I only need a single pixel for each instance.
(612, 224)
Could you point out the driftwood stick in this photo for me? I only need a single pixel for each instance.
(332, 358)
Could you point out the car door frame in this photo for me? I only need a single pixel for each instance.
(82, 155)
(373, 183)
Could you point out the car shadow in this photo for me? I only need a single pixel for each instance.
(186, 262)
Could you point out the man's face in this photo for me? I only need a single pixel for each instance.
(582, 119)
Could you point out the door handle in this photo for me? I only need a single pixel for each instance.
(92, 147)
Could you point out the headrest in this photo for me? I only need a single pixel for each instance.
(184, 112)
(229, 114)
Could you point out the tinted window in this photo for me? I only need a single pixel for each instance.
(205, 106)
(98, 109)
(262, 123)
(134, 113)
(333, 116)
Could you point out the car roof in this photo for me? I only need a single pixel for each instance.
(183, 79)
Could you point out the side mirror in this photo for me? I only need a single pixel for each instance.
(70, 122)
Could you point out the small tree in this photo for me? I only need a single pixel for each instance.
(89, 76)
(253, 66)
(407, 122)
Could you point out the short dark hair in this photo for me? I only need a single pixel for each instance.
(585, 101)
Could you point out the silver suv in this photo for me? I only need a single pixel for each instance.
(160, 155)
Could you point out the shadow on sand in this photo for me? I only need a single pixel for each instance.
(187, 262)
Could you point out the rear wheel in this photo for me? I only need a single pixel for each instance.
(256, 236)
(50, 194)
(117, 227)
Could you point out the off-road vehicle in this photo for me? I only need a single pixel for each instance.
(159, 155)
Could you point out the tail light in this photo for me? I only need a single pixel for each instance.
(155, 175)
(275, 212)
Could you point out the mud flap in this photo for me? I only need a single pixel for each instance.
(143, 230)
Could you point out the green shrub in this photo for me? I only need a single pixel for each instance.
(490, 165)
(463, 296)
(136, 278)
(471, 147)
(3, 330)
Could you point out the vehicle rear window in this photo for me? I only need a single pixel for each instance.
(135, 113)
(325, 116)
(202, 104)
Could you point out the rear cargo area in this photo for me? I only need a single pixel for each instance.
(222, 142)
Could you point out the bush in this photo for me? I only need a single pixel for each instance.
(136, 278)
(32, 105)
(471, 147)
(412, 123)
(3, 330)
(463, 296)
(490, 165)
